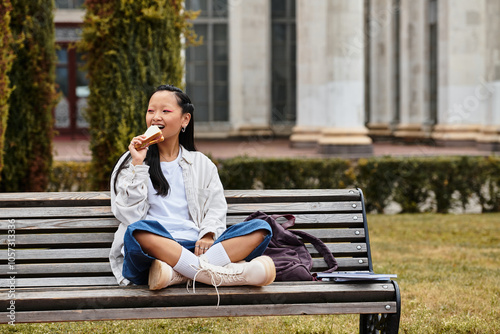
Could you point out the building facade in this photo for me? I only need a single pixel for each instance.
(332, 75)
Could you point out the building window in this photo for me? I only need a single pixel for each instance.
(433, 62)
(69, 114)
(396, 64)
(207, 65)
(283, 63)
(69, 4)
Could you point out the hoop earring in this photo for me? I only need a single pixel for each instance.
(184, 129)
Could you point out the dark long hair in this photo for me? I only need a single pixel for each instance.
(186, 139)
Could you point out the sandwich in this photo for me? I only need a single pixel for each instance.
(153, 134)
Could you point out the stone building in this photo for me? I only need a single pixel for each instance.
(332, 75)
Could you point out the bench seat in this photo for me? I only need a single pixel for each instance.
(61, 270)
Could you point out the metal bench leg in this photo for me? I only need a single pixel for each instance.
(379, 323)
(382, 323)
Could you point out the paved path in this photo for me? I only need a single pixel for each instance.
(78, 150)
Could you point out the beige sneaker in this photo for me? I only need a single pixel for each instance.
(260, 271)
(162, 275)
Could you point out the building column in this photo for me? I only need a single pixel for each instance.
(461, 108)
(311, 73)
(330, 76)
(250, 67)
(414, 71)
(489, 90)
(381, 35)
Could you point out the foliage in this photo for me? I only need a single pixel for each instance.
(28, 138)
(6, 60)
(287, 173)
(131, 47)
(69, 176)
(438, 184)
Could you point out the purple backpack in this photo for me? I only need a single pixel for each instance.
(291, 257)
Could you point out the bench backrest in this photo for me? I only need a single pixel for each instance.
(63, 239)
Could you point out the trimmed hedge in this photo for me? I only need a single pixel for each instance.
(130, 48)
(437, 184)
(6, 61)
(28, 137)
(70, 176)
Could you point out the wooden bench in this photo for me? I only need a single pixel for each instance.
(59, 269)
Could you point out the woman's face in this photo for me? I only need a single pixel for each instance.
(165, 112)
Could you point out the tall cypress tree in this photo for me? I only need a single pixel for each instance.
(131, 46)
(6, 59)
(28, 139)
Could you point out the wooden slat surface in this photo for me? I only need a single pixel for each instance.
(60, 239)
(202, 311)
(55, 223)
(58, 254)
(56, 212)
(288, 293)
(308, 220)
(291, 195)
(302, 221)
(23, 270)
(102, 198)
(290, 207)
(238, 208)
(67, 272)
(59, 199)
(50, 282)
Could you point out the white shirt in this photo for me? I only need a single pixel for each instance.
(172, 210)
(130, 203)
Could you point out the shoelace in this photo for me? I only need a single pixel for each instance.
(212, 279)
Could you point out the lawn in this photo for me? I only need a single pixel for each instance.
(448, 270)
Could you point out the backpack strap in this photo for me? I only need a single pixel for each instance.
(290, 220)
(320, 247)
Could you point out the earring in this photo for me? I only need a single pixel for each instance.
(184, 129)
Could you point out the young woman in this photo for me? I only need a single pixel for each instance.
(172, 209)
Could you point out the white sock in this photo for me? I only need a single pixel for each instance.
(187, 264)
(217, 255)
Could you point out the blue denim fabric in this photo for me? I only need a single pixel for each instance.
(136, 263)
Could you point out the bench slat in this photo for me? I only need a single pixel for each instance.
(22, 270)
(59, 254)
(302, 221)
(202, 311)
(54, 223)
(299, 207)
(58, 281)
(289, 292)
(291, 195)
(238, 208)
(322, 219)
(70, 212)
(59, 199)
(102, 198)
(60, 239)
(103, 268)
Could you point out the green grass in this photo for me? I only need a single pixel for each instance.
(448, 270)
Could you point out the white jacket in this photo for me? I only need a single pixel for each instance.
(205, 196)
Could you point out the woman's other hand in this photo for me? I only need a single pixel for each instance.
(204, 244)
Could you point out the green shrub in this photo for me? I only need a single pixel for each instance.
(131, 47)
(377, 178)
(28, 138)
(437, 184)
(286, 173)
(6, 60)
(70, 176)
